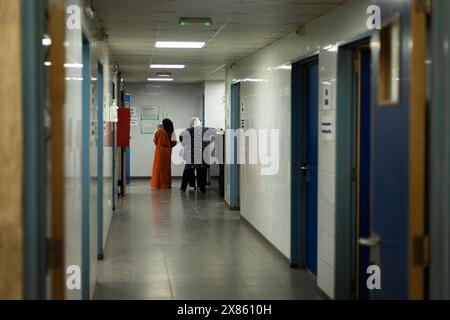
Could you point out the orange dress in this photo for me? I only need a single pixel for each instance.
(162, 164)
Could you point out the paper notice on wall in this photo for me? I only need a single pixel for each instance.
(150, 113)
(327, 128)
(134, 117)
(149, 126)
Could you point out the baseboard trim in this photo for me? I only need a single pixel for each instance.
(322, 294)
(260, 235)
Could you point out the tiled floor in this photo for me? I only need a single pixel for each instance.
(169, 245)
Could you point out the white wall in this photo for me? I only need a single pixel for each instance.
(215, 104)
(179, 102)
(73, 149)
(265, 201)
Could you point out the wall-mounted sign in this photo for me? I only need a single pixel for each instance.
(327, 128)
(149, 126)
(134, 117)
(150, 113)
(113, 112)
(326, 95)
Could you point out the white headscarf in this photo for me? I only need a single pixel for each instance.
(195, 122)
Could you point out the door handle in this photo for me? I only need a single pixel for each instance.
(372, 242)
(306, 170)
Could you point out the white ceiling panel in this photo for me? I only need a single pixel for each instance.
(240, 28)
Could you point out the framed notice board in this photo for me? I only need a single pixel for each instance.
(149, 119)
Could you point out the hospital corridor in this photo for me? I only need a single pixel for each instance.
(225, 155)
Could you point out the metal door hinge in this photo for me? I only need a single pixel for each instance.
(54, 254)
(356, 66)
(423, 6)
(421, 250)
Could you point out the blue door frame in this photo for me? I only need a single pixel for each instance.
(235, 172)
(312, 156)
(439, 168)
(100, 84)
(304, 146)
(364, 170)
(128, 151)
(85, 176)
(347, 150)
(34, 152)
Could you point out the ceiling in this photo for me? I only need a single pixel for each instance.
(240, 28)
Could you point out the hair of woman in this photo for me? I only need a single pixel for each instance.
(168, 126)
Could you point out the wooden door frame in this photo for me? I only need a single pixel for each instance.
(56, 245)
(417, 152)
(14, 217)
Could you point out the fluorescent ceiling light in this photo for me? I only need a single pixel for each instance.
(167, 66)
(254, 80)
(179, 44)
(250, 80)
(159, 79)
(284, 67)
(164, 74)
(73, 65)
(331, 48)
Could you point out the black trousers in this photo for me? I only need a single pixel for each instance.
(189, 178)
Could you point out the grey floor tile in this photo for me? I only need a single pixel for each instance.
(270, 293)
(166, 245)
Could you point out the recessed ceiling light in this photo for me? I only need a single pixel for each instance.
(167, 66)
(48, 63)
(180, 44)
(159, 79)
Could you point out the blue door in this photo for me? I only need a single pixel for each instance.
(312, 156)
(390, 168)
(100, 160)
(235, 112)
(85, 178)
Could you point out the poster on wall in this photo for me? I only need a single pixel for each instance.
(150, 113)
(327, 128)
(134, 117)
(149, 126)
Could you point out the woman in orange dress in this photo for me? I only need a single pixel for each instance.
(162, 165)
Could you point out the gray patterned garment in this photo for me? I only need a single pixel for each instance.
(195, 141)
